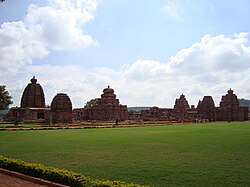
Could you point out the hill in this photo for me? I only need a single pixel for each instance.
(245, 102)
(138, 108)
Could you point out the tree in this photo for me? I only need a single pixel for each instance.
(91, 103)
(5, 98)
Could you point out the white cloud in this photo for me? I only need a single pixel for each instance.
(143, 70)
(60, 23)
(212, 55)
(56, 26)
(209, 67)
(17, 47)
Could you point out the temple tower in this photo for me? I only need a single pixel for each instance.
(61, 109)
(107, 108)
(206, 108)
(230, 106)
(230, 109)
(180, 108)
(32, 109)
(33, 96)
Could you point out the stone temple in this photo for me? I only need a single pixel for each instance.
(229, 110)
(61, 109)
(34, 110)
(33, 96)
(206, 108)
(181, 107)
(106, 108)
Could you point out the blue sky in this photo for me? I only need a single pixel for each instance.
(150, 52)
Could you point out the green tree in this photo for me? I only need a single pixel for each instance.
(5, 98)
(91, 103)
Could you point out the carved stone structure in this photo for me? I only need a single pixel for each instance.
(33, 109)
(206, 108)
(33, 95)
(61, 109)
(181, 108)
(230, 110)
(106, 108)
(156, 114)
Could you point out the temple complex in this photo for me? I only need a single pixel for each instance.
(106, 108)
(34, 110)
(229, 110)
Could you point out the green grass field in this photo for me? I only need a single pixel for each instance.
(215, 154)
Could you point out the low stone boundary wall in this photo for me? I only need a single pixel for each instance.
(30, 179)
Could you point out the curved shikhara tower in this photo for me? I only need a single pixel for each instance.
(61, 109)
(33, 95)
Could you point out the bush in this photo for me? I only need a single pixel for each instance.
(61, 176)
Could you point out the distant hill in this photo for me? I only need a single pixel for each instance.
(245, 102)
(138, 108)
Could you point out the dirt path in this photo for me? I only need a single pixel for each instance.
(13, 179)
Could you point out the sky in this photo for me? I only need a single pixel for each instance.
(149, 52)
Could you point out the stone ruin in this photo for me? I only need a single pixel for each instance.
(33, 96)
(181, 108)
(229, 110)
(108, 108)
(33, 109)
(206, 108)
(61, 109)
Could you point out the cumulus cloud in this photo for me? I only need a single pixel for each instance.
(56, 26)
(208, 67)
(146, 69)
(214, 57)
(59, 23)
(17, 48)
(211, 60)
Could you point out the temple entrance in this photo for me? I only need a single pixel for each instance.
(40, 115)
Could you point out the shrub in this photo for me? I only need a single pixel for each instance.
(61, 176)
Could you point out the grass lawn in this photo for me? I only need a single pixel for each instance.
(214, 154)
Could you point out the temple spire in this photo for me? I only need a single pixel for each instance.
(33, 80)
